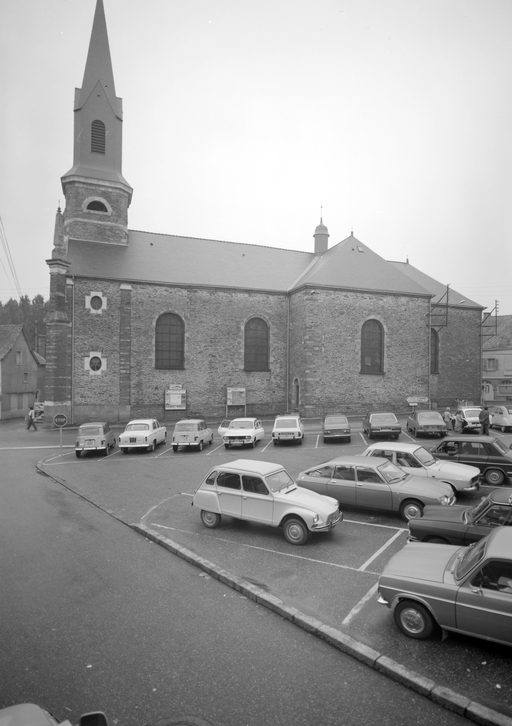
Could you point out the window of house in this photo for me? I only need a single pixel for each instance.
(490, 364)
(96, 303)
(25, 376)
(372, 347)
(19, 358)
(98, 137)
(97, 206)
(169, 342)
(256, 354)
(434, 351)
(95, 363)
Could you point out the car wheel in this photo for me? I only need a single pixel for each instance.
(124, 449)
(210, 442)
(396, 437)
(175, 448)
(226, 446)
(78, 454)
(210, 519)
(200, 446)
(253, 444)
(414, 620)
(152, 446)
(349, 439)
(436, 540)
(411, 509)
(106, 451)
(295, 531)
(370, 436)
(495, 477)
(301, 440)
(325, 440)
(275, 442)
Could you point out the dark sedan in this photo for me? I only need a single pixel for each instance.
(381, 424)
(489, 453)
(459, 525)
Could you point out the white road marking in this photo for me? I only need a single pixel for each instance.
(355, 610)
(380, 550)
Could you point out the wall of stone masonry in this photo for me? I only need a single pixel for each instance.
(97, 226)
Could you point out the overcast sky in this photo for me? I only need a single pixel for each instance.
(243, 117)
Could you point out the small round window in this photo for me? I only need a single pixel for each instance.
(95, 363)
(96, 302)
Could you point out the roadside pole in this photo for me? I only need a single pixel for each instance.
(60, 420)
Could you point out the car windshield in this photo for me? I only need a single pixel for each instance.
(90, 431)
(509, 410)
(241, 425)
(429, 416)
(185, 427)
(279, 480)
(424, 456)
(468, 558)
(336, 421)
(391, 473)
(383, 418)
(137, 427)
(286, 423)
(498, 443)
(476, 511)
(471, 412)
(225, 424)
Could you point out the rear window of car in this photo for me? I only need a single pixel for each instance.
(383, 418)
(286, 423)
(471, 411)
(336, 421)
(498, 443)
(430, 416)
(138, 427)
(90, 431)
(185, 427)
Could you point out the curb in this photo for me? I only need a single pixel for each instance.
(437, 693)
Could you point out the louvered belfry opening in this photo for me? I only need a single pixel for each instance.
(98, 137)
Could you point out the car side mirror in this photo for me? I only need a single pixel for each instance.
(94, 718)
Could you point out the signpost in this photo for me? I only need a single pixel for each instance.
(60, 420)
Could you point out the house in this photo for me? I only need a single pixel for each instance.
(145, 324)
(21, 373)
(497, 362)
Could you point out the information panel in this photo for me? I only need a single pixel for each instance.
(175, 398)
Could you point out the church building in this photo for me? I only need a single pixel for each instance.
(145, 324)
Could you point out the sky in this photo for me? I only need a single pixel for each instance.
(247, 120)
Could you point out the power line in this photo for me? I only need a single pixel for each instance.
(10, 262)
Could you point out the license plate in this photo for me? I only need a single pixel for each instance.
(133, 441)
(90, 442)
(286, 436)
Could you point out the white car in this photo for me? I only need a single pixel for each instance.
(501, 417)
(264, 492)
(243, 432)
(416, 460)
(288, 428)
(192, 433)
(223, 427)
(142, 433)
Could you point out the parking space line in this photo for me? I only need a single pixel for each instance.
(365, 442)
(380, 550)
(371, 592)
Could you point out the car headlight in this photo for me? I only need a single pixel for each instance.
(445, 500)
(247, 438)
(316, 519)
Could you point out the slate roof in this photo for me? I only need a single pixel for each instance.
(504, 337)
(433, 286)
(175, 260)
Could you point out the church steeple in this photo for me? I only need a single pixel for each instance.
(97, 194)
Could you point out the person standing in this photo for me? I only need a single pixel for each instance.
(484, 420)
(31, 417)
(459, 420)
(448, 419)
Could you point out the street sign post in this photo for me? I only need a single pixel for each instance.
(60, 420)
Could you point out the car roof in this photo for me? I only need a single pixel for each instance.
(288, 415)
(395, 446)
(499, 543)
(501, 496)
(427, 411)
(470, 437)
(141, 420)
(244, 418)
(335, 415)
(362, 460)
(190, 420)
(248, 466)
(94, 423)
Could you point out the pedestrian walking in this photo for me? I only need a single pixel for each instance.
(484, 419)
(459, 420)
(449, 419)
(31, 417)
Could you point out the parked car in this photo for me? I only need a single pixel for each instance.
(142, 433)
(38, 412)
(464, 589)
(461, 525)
(426, 423)
(381, 424)
(244, 432)
(501, 417)
(223, 427)
(28, 714)
(489, 453)
(375, 483)
(470, 420)
(336, 426)
(288, 428)
(416, 460)
(191, 433)
(94, 436)
(264, 492)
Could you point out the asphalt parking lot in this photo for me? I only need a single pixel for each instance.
(332, 578)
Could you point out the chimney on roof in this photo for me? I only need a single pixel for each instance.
(321, 236)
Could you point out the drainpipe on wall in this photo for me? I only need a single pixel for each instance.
(72, 348)
(288, 356)
(429, 338)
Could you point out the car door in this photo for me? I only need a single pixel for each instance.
(229, 492)
(342, 484)
(259, 431)
(497, 515)
(257, 500)
(447, 450)
(371, 490)
(484, 602)
(473, 453)
(317, 479)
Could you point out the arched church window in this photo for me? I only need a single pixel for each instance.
(98, 137)
(434, 351)
(372, 348)
(97, 206)
(256, 353)
(169, 342)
